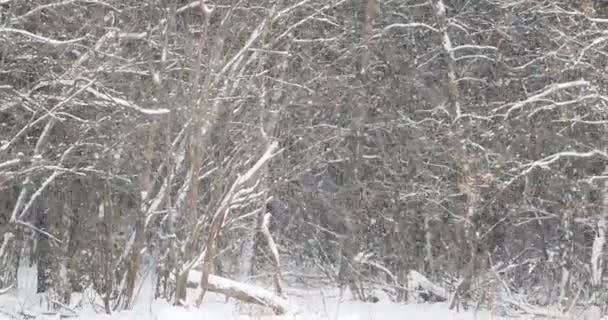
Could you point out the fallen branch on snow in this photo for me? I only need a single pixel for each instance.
(416, 280)
(535, 311)
(240, 291)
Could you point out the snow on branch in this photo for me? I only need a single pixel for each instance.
(55, 5)
(541, 95)
(289, 9)
(38, 193)
(252, 38)
(546, 161)
(312, 16)
(581, 121)
(218, 218)
(9, 163)
(409, 25)
(588, 47)
(39, 38)
(474, 47)
(143, 35)
(126, 103)
(88, 87)
(554, 104)
(50, 236)
(56, 173)
(270, 152)
(42, 139)
(593, 179)
(534, 310)
(245, 194)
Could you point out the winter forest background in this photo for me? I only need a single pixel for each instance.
(457, 147)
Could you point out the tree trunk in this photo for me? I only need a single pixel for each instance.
(251, 247)
(133, 262)
(274, 253)
(599, 243)
(346, 272)
(61, 282)
(180, 287)
(7, 275)
(73, 246)
(428, 246)
(43, 253)
(472, 269)
(566, 248)
(106, 254)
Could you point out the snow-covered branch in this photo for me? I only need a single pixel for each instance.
(546, 161)
(39, 38)
(409, 25)
(38, 193)
(30, 226)
(10, 163)
(542, 95)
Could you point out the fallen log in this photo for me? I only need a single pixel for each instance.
(240, 291)
(416, 280)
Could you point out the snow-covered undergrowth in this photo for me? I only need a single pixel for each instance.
(308, 305)
(304, 304)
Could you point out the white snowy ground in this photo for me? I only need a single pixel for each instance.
(309, 307)
(306, 304)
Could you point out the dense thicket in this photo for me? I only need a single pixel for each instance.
(459, 139)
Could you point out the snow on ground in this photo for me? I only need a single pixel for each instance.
(305, 304)
(310, 307)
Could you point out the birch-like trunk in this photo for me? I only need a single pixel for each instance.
(565, 258)
(428, 246)
(274, 251)
(447, 48)
(599, 242)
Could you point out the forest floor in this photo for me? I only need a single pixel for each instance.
(305, 304)
(309, 305)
